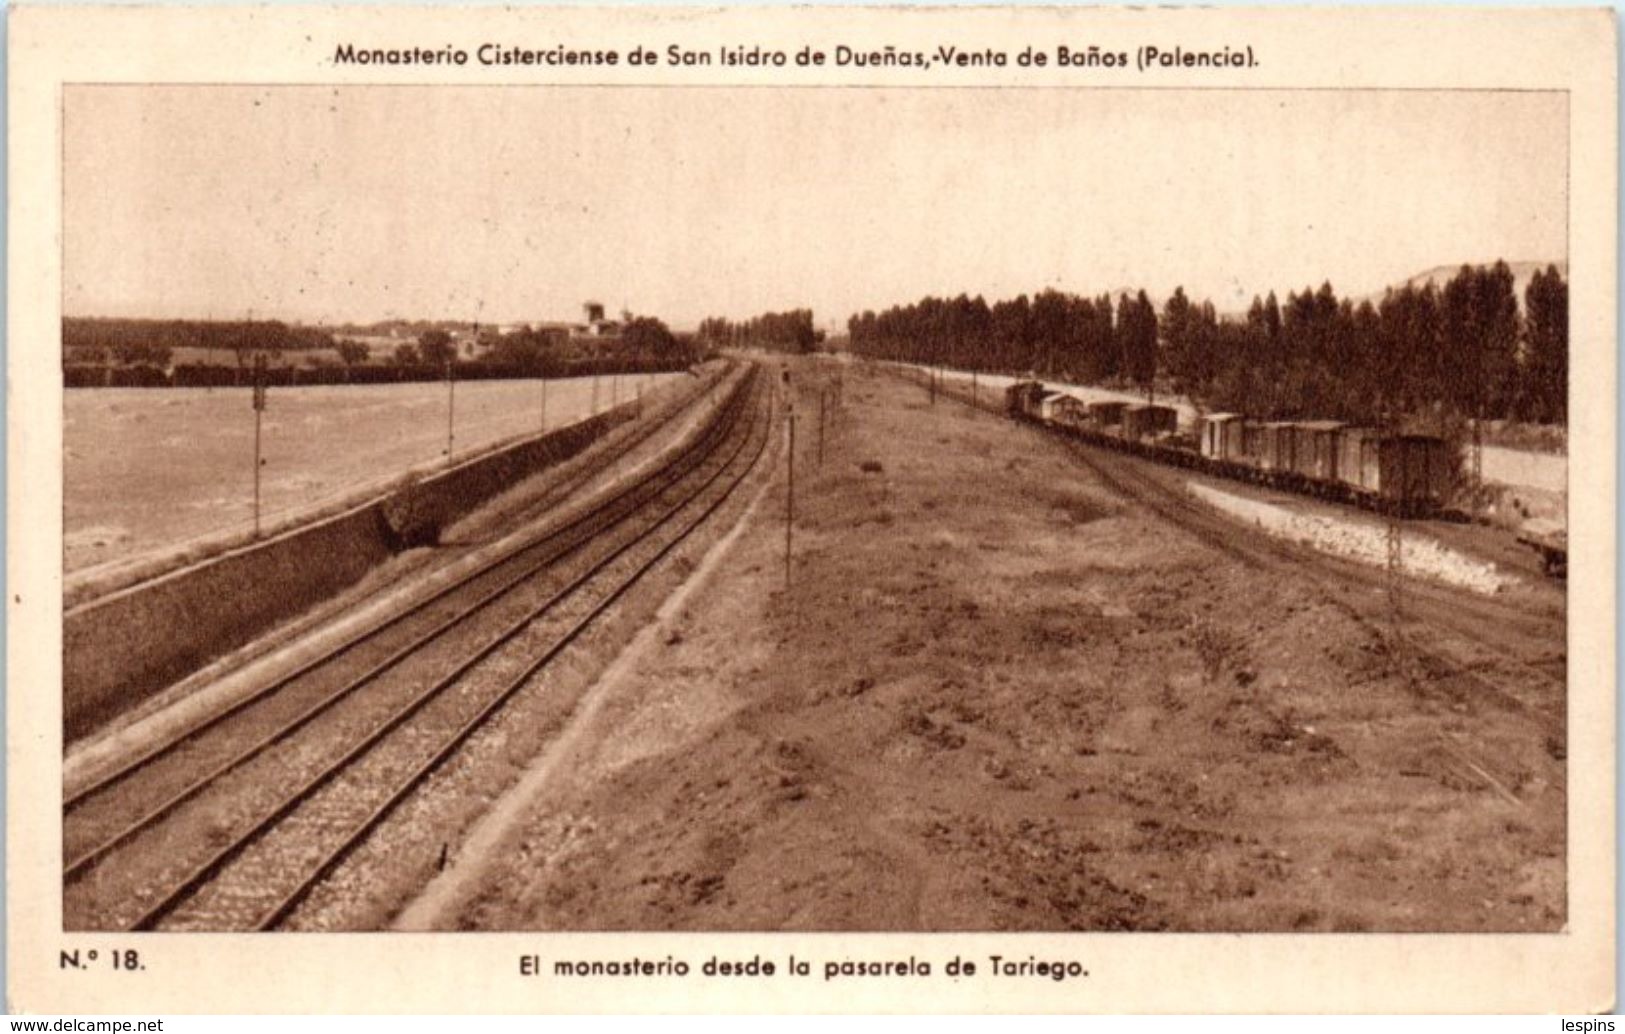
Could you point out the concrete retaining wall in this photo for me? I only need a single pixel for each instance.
(418, 512)
(122, 648)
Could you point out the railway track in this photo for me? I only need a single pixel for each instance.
(1530, 645)
(553, 495)
(1486, 621)
(1428, 609)
(642, 432)
(1527, 676)
(236, 820)
(1510, 635)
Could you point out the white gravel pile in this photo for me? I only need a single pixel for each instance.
(1359, 540)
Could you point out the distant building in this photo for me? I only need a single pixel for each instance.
(380, 347)
(473, 342)
(597, 325)
(599, 328)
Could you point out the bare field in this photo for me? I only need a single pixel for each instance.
(1002, 695)
(147, 469)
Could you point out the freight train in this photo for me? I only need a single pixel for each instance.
(1410, 475)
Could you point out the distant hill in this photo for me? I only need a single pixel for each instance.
(1522, 273)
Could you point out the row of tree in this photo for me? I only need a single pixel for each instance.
(141, 353)
(152, 342)
(1464, 350)
(203, 375)
(93, 341)
(640, 337)
(791, 331)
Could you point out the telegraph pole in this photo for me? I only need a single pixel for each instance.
(822, 394)
(1395, 562)
(259, 411)
(790, 487)
(790, 492)
(1478, 458)
(451, 404)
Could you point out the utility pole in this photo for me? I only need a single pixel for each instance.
(249, 340)
(790, 487)
(1478, 436)
(259, 411)
(790, 492)
(1394, 573)
(451, 404)
(822, 394)
(1478, 457)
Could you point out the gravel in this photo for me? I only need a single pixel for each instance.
(1360, 540)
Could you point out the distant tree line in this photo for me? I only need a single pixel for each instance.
(133, 341)
(1465, 350)
(791, 331)
(140, 353)
(198, 375)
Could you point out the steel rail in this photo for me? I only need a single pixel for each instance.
(122, 771)
(1343, 570)
(291, 900)
(1107, 445)
(1319, 570)
(203, 873)
(672, 473)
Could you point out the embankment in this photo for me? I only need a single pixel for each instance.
(124, 646)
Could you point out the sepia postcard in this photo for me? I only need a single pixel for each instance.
(811, 509)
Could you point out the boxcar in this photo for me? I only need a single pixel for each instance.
(1021, 398)
(1049, 403)
(1222, 436)
(1275, 446)
(1144, 420)
(1418, 472)
(1315, 450)
(1357, 454)
(1066, 409)
(1252, 444)
(1106, 414)
(1412, 473)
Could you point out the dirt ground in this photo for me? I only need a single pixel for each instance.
(1000, 697)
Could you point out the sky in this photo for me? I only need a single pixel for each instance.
(517, 204)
